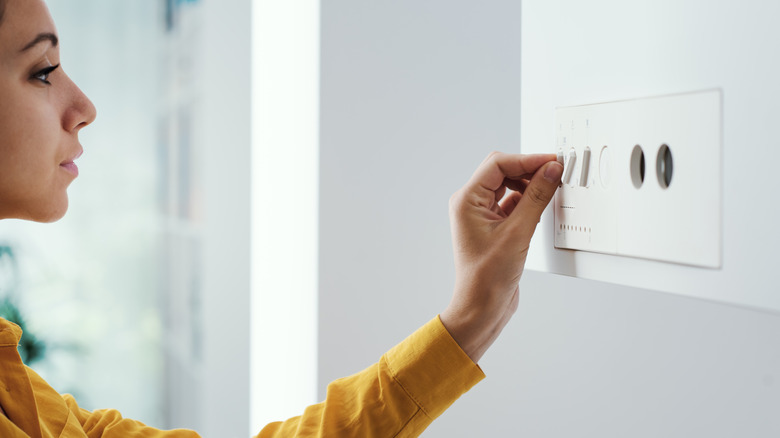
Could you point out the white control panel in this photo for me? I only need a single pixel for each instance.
(642, 178)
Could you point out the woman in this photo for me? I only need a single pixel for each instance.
(41, 114)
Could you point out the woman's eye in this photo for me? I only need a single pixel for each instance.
(43, 75)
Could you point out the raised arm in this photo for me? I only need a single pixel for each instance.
(418, 379)
(491, 237)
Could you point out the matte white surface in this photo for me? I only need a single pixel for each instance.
(680, 223)
(621, 51)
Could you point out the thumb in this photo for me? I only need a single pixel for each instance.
(536, 196)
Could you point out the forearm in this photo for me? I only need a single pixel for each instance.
(399, 396)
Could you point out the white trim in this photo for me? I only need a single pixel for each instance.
(285, 177)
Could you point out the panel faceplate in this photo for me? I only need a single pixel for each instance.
(645, 178)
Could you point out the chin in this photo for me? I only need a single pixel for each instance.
(55, 215)
(51, 218)
(51, 212)
(44, 207)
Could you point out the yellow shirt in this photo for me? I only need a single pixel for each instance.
(411, 385)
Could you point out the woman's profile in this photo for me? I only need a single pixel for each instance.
(493, 217)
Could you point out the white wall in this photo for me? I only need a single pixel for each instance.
(414, 95)
(603, 50)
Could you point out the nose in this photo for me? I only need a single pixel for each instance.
(79, 111)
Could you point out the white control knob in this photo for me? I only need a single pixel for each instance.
(570, 162)
(585, 167)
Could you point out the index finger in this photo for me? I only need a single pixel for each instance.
(497, 166)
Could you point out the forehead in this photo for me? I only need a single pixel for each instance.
(22, 22)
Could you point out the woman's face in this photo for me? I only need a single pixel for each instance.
(41, 113)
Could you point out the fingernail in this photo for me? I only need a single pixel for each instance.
(553, 172)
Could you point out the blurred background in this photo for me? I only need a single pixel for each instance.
(89, 286)
(111, 294)
(262, 208)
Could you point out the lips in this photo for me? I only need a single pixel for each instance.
(70, 166)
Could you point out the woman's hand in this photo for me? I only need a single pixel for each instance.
(491, 241)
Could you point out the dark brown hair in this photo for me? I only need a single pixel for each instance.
(2, 10)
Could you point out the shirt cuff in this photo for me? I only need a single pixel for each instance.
(432, 368)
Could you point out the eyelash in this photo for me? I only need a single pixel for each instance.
(43, 75)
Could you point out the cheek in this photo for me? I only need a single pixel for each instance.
(30, 142)
(30, 133)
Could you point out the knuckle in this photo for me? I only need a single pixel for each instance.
(491, 157)
(495, 155)
(514, 304)
(455, 200)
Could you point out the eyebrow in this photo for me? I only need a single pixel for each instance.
(42, 37)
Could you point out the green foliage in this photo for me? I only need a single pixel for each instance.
(31, 348)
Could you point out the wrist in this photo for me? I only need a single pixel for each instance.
(469, 330)
(475, 317)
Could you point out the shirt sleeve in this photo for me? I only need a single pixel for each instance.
(109, 423)
(411, 385)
